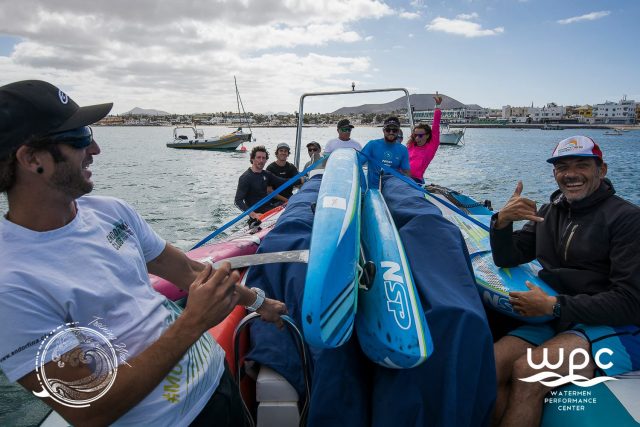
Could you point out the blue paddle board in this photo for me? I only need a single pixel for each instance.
(494, 283)
(330, 294)
(390, 322)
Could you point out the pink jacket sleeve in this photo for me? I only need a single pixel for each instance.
(433, 145)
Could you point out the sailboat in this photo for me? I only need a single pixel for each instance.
(190, 137)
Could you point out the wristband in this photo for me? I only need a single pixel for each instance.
(258, 302)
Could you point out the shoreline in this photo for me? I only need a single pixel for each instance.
(554, 126)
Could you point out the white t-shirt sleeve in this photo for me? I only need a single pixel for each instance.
(35, 319)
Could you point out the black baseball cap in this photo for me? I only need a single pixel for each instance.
(392, 122)
(35, 108)
(344, 123)
(314, 144)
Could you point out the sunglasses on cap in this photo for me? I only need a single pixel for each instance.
(77, 138)
(391, 130)
(345, 129)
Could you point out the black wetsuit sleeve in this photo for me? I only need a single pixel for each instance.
(511, 248)
(241, 193)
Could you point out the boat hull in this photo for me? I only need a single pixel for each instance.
(451, 137)
(227, 142)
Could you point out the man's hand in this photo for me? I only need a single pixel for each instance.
(533, 303)
(271, 310)
(212, 296)
(518, 208)
(438, 100)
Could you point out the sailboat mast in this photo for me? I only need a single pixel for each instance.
(239, 102)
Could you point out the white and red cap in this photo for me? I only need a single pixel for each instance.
(576, 146)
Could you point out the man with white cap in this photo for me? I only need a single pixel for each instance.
(81, 326)
(587, 240)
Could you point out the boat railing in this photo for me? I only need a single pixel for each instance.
(345, 92)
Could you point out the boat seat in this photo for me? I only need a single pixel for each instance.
(277, 400)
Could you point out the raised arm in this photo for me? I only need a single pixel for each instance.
(508, 248)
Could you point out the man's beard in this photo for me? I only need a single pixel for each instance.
(70, 180)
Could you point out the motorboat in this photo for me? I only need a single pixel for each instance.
(548, 126)
(614, 132)
(190, 137)
(451, 136)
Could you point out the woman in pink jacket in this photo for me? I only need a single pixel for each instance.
(424, 143)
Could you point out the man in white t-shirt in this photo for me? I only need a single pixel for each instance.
(82, 327)
(344, 138)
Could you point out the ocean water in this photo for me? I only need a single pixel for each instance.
(186, 194)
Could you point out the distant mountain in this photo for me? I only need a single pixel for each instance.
(145, 112)
(418, 101)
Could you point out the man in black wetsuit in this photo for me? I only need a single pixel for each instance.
(283, 169)
(255, 183)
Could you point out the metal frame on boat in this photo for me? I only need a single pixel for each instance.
(345, 92)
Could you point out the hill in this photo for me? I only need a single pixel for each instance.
(137, 111)
(418, 101)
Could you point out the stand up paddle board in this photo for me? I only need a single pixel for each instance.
(330, 294)
(494, 283)
(390, 322)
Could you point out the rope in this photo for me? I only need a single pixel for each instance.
(259, 203)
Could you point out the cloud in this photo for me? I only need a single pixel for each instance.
(409, 15)
(182, 58)
(588, 17)
(462, 26)
(467, 16)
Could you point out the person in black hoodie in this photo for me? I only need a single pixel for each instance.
(587, 240)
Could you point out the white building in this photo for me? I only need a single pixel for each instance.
(622, 112)
(459, 115)
(549, 113)
(514, 114)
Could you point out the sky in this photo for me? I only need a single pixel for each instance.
(181, 56)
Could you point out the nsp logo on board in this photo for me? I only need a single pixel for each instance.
(395, 290)
(498, 301)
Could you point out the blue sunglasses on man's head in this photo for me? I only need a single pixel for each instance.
(77, 138)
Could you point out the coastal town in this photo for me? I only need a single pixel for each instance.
(609, 114)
